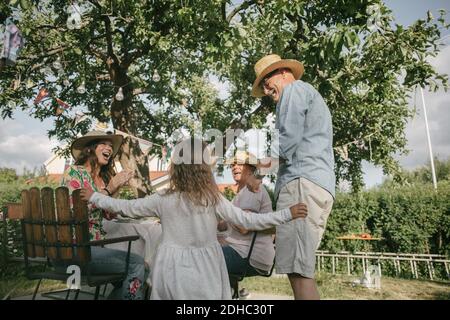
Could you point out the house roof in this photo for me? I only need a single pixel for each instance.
(157, 174)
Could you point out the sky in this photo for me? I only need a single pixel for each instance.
(24, 141)
(437, 103)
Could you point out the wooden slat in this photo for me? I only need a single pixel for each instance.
(80, 212)
(36, 214)
(26, 206)
(15, 211)
(63, 214)
(48, 212)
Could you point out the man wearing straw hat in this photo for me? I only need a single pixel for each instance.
(305, 164)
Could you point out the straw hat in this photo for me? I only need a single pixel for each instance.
(96, 135)
(271, 63)
(242, 157)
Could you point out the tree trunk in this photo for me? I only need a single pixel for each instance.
(130, 155)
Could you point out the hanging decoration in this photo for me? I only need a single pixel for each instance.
(82, 88)
(57, 64)
(43, 93)
(29, 84)
(119, 95)
(60, 107)
(156, 77)
(58, 111)
(13, 42)
(74, 18)
(79, 117)
(62, 104)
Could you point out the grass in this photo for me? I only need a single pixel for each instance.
(21, 286)
(331, 287)
(339, 287)
(13, 282)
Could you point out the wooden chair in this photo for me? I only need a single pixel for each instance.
(236, 278)
(61, 236)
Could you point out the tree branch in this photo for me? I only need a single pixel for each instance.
(224, 10)
(244, 5)
(103, 56)
(109, 40)
(96, 4)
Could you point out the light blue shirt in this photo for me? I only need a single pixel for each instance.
(305, 137)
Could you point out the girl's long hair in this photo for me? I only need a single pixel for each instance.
(193, 180)
(88, 155)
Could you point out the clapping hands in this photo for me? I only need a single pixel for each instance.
(119, 180)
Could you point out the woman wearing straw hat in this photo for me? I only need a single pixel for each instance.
(94, 169)
(305, 166)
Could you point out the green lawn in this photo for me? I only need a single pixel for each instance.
(339, 287)
(335, 287)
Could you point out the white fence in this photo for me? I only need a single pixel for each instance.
(428, 261)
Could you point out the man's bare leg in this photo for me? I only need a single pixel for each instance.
(303, 288)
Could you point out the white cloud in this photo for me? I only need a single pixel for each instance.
(20, 149)
(438, 113)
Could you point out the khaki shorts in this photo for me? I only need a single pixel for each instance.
(298, 240)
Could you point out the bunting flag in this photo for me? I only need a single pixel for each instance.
(58, 111)
(61, 107)
(79, 116)
(43, 93)
(62, 103)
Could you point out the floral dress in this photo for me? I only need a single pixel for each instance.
(76, 177)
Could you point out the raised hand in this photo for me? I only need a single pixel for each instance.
(119, 180)
(299, 210)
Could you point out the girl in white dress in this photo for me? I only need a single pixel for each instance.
(189, 262)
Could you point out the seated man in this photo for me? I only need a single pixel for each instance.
(238, 241)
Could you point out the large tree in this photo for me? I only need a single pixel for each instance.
(163, 54)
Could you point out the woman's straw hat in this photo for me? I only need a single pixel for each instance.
(79, 144)
(242, 157)
(271, 63)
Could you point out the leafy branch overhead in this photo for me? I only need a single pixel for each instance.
(165, 56)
